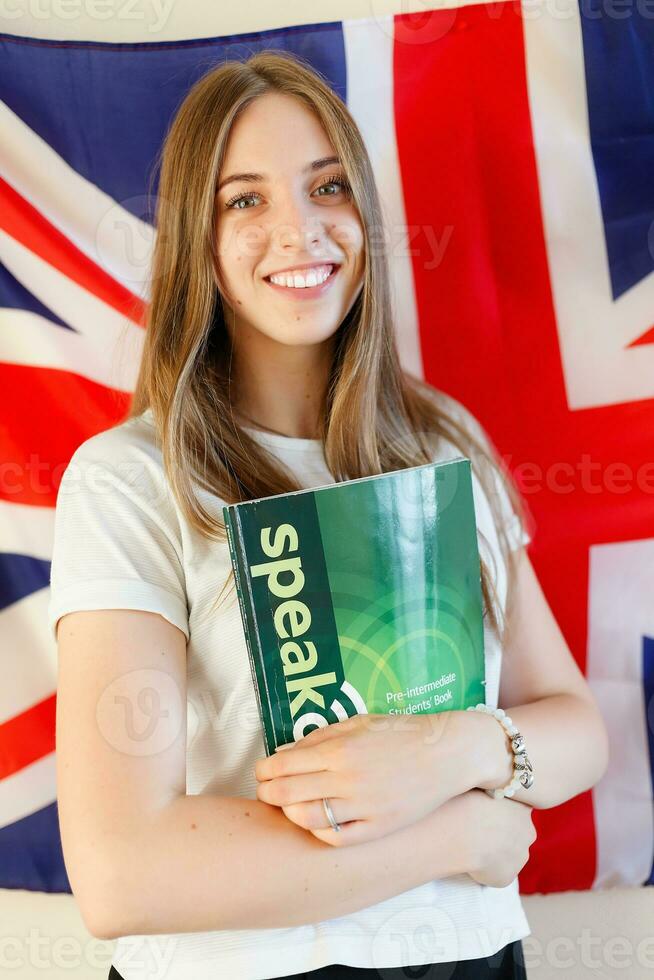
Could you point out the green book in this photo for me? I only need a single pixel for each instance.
(362, 596)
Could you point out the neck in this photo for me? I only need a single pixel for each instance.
(282, 388)
(249, 421)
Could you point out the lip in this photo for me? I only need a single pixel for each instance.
(308, 292)
(303, 265)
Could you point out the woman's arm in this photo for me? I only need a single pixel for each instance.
(549, 701)
(144, 858)
(430, 758)
(210, 862)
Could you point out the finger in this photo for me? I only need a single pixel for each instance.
(296, 760)
(355, 832)
(312, 816)
(303, 788)
(334, 730)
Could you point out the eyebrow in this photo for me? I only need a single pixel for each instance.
(249, 178)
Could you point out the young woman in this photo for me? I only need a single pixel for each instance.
(182, 840)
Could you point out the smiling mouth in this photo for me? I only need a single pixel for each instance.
(306, 292)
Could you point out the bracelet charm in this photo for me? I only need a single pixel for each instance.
(523, 773)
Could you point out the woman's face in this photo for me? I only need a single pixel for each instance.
(287, 217)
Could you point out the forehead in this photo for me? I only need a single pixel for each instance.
(275, 134)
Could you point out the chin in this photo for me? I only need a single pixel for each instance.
(303, 331)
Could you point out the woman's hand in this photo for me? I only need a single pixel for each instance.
(496, 837)
(379, 772)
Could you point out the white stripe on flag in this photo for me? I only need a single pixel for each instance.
(369, 59)
(620, 613)
(105, 334)
(27, 338)
(28, 790)
(102, 228)
(25, 530)
(594, 330)
(28, 655)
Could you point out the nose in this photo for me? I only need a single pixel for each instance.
(297, 226)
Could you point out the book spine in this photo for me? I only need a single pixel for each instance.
(237, 553)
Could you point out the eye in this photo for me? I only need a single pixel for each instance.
(327, 182)
(239, 197)
(333, 181)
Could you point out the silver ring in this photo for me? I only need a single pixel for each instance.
(330, 816)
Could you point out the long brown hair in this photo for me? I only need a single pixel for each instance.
(377, 416)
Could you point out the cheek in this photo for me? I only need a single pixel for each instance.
(348, 233)
(227, 243)
(241, 251)
(234, 268)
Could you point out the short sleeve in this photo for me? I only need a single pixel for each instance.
(517, 534)
(117, 543)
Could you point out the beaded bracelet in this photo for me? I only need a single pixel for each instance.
(523, 774)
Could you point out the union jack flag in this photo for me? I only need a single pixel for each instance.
(514, 150)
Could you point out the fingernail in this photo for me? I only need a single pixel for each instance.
(289, 745)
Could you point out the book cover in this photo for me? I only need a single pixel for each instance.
(362, 596)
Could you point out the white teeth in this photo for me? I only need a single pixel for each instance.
(300, 280)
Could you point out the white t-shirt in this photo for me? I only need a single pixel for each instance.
(122, 542)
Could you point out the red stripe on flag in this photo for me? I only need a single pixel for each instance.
(47, 414)
(488, 333)
(26, 225)
(646, 338)
(28, 737)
